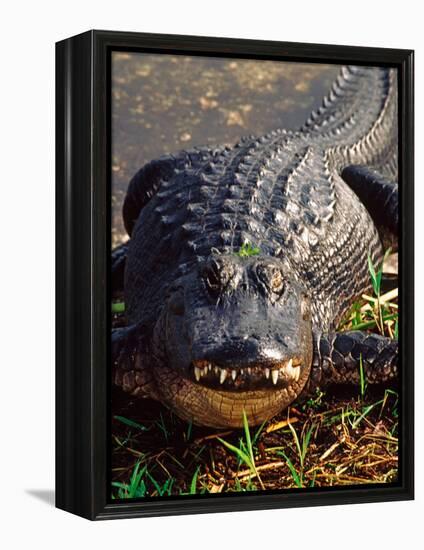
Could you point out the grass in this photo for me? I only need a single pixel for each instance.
(118, 307)
(342, 437)
(342, 441)
(246, 250)
(302, 448)
(362, 377)
(379, 312)
(245, 452)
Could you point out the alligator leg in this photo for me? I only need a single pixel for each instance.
(380, 198)
(338, 357)
(119, 255)
(129, 361)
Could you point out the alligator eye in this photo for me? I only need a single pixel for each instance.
(272, 277)
(276, 282)
(217, 275)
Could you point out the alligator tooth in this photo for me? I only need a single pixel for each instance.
(289, 372)
(233, 374)
(205, 371)
(274, 375)
(241, 371)
(292, 372)
(210, 366)
(216, 370)
(249, 371)
(222, 376)
(266, 373)
(197, 373)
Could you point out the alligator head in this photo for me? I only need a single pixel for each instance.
(237, 334)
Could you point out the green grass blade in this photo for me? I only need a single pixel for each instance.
(296, 440)
(366, 411)
(247, 436)
(258, 432)
(135, 480)
(119, 484)
(238, 452)
(372, 274)
(131, 423)
(372, 324)
(165, 488)
(362, 376)
(118, 307)
(292, 469)
(305, 442)
(194, 481)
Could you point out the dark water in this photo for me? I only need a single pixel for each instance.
(164, 103)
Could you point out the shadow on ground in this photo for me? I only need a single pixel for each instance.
(45, 495)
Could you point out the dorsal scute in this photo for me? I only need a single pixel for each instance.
(352, 107)
(159, 176)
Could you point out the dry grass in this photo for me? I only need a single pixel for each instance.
(329, 441)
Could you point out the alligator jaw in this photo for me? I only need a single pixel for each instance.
(223, 408)
(277, 375)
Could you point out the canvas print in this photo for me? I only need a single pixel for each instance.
(254, 285)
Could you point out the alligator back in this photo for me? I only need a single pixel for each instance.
(282, 193)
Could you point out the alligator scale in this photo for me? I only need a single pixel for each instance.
(214, 330)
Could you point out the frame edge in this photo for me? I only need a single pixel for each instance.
(80, 223)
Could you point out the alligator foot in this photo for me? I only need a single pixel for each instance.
(339, 357)
(380, 198)
(129, 357)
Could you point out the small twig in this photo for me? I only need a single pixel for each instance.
(354, 458)
(383, 438)
(282, 424)
(163, 468)
(331, 449)
(389, 459)
(346, 479)
(212, 436)
(270, 466)
(388, 297)
(133, 451)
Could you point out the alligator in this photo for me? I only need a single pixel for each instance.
(242, 261)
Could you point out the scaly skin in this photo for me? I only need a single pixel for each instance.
(212, 333)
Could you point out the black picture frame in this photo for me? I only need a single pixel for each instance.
(82, 263)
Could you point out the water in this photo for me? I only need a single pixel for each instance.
(164, 103)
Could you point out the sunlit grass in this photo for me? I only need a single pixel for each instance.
(377, 313)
